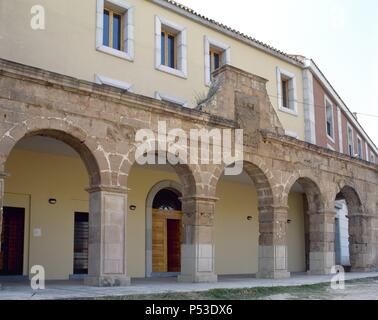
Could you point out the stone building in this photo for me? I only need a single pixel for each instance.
(75, 92)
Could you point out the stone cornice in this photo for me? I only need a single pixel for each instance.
(108, 189)
(295, 143)
(131, 100)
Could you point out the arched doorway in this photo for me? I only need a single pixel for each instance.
(45, 205)
(352, 233)
(166, 232)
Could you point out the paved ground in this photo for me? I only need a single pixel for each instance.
(75, 289)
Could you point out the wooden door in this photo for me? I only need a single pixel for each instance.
(166, 241)
(81, 235)
(13, 241)
(159, 243)
(174, 245)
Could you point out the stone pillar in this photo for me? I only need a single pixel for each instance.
(273, 242)
(107, 237)
(197, 249)
(2, 175)
(322, 242)
(361, 242)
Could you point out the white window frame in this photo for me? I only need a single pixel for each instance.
(330, 147)
(340, 130)
(359, 142)
(181, 70)
(372, 157)
(128, 40)
(293, 110)
(366, 151)
(292, 134)
(114, 83)
(226, 55)
(328, 100)
(165, 97)
(348, 139)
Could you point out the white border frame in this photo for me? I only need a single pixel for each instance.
(165, 184)
(293, 102)
(362, 147)
(292, 134)
(326, 99)
(128, 40)
(350, 142)
(114, 83)
(181, 70)
(165, 97)
(226, 56)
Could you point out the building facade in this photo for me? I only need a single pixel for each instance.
(73, 96)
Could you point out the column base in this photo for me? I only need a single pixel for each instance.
(107, 281)
(198, 278)
(273, 275)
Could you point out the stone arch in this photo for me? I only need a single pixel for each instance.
(189, 175)
(95, 161)
(260, 176)
(165, 184)
(359, 227)
(313, 207)
(312, 190)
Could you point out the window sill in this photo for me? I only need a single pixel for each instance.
(172, 71)
(330, 139)
(289, 111)
(116, 53)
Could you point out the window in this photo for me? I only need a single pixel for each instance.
(286, 92)
(359, 148)
(170, 43)
(329, 118)
(114, 28)
(350, 140)
(372, 157)
(168, 49)
(215, 59)
(164, 97)
(217, 54)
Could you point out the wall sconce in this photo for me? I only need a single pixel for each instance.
(132, 208)
(249, 218)
(288, 221)
(52, 201)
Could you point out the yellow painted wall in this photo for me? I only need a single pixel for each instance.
(40, 177)
(236, 238)
(36, 177)
(67, 46)
(296, 234)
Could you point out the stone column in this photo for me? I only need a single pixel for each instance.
(361, 242)
(2, 176)
(107, 237)
(322, 242)
(273, 242)
(197, 249)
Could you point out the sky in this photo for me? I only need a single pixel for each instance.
(341, 36)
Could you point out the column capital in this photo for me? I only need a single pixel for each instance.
(199, 198)
(274, 207)
(110, 189)
(4, 174)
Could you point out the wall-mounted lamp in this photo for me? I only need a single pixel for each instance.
(132, 208)
(288, 221)
(249, 218)
(52, 201)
